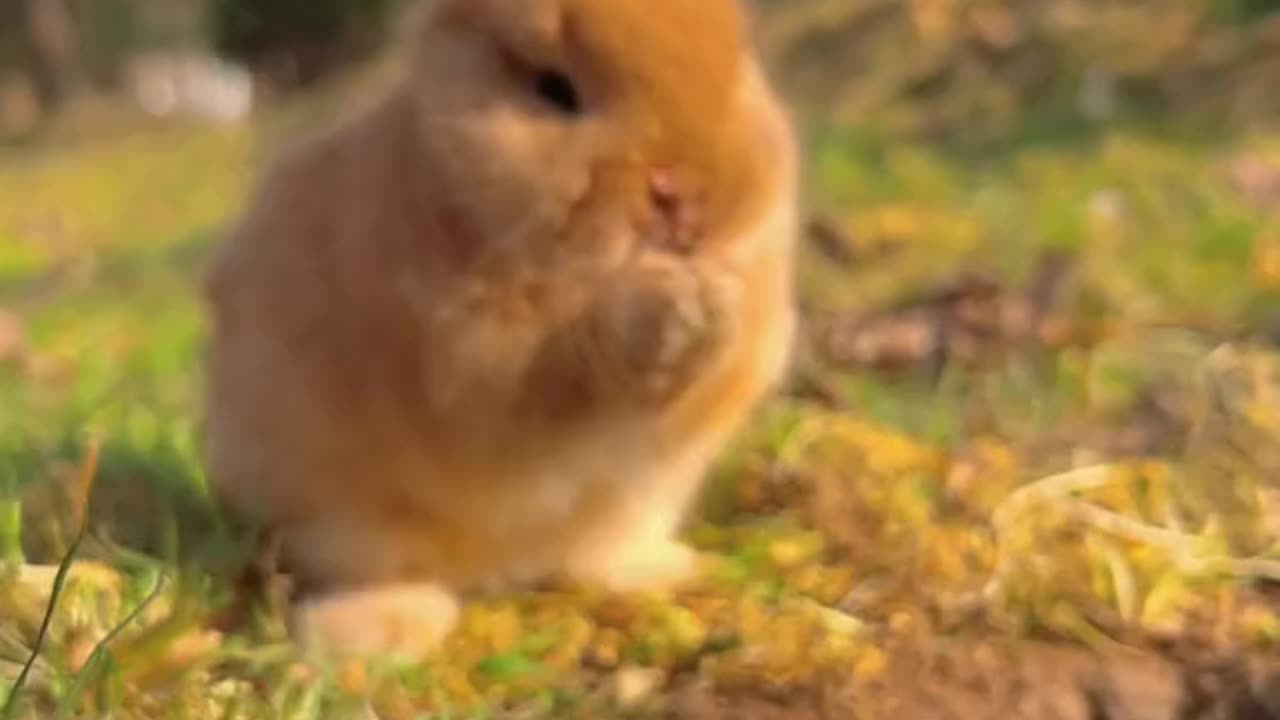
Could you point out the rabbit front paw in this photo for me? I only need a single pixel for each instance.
(661, 328)
(655, 565)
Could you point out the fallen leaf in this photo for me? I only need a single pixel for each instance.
(13, 338)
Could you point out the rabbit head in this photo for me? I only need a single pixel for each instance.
(563, 129)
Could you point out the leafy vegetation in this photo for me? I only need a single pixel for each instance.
(312, 39)
(988, 70)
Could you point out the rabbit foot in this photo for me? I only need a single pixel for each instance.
(655, 565)
(405, 621)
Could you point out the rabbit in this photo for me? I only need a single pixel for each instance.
(493, 329)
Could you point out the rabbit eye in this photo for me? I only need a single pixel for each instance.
(558, 90)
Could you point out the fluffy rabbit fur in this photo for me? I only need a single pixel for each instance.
(495, 328)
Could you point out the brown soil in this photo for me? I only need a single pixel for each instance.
(1000, 681)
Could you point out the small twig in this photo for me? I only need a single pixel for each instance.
(1181, 546)
(1253, 568)
(832, 241)
(1126, 528)
(1122, 576)
(100, 650)
(88, 474)
(1055, 487)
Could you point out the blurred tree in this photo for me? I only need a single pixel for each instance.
(43, 35)
(294, 43)
(110, 32)
(51, 49)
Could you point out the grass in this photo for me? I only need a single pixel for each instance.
(988, 502)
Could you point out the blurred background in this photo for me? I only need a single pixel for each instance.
(977, 69)
(1028, 465)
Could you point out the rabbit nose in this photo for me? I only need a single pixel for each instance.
(678, 218)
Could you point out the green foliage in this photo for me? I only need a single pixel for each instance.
(984, 70)
(1240, 11)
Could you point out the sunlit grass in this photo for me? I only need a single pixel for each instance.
(836, 527)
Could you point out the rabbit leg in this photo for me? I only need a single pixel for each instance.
(407, 620)
(632, 542)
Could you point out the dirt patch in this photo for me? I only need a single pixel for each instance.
(981, 680)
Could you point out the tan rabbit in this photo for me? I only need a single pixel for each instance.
(494, 329)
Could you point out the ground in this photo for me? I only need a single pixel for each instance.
(1024, 469)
